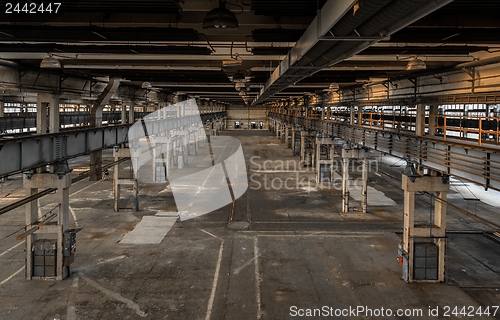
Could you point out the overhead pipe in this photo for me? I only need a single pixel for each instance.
(10, 64)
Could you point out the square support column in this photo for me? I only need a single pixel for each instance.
(40, 229)
(41, 114)
(118, 182)
(433, 114)
(423, 242)
(2, 109)
(420, 120)
(131, 116)
(347, 155)
(124, 114)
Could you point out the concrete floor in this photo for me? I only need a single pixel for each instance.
(298, 251)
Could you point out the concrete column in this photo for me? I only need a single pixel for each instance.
(30, 218)
(37, 228)
(2, 109)
(96, 121)
(41, 114)
(131, 111)
(54, 114)
(352, 117)
(293, 140)
(345, 179)
(426, 237)
(360, 116)
(286, 136)
(364, 186)
(124, 114)
(302, 148)
(118, 182)
(420, 120)
(433, 114)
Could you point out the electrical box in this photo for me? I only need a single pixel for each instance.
(44, 258)
(69, 247)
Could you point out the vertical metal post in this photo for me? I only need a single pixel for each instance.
(364, 187)
(345, 180)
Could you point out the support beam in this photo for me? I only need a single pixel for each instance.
(41, 114)
(48, 252)
(420, 121)
(433, 114)
(131, 110)
(2, 109)
(54, 113)
(424, 243)
(96, 121)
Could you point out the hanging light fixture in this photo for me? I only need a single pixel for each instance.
(50, 62)
(416, 64)
(220, 18)
(146, 85)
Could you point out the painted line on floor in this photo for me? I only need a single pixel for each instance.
(11, 248)
(216, 280)
(11, 276)
(74, 216)
(216, 275)
(71, 300)
(210, 234)
(115, 295)
(257, 277)
(78, 191)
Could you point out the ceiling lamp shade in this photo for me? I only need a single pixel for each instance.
(332, 87)
(50, 63)
(416, 64)
(146, 85)
(220, 18)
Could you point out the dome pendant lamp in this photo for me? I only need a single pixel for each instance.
(220, 18)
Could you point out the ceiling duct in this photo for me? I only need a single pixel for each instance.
(374, 21)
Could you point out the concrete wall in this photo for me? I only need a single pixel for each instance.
(245, 115)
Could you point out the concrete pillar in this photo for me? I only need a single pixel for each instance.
(131, 116)
(364, 185)
(119, 153)
(293, 140)
(420, 120)
(124, 114)
(96, 121)
(345, 179)
(2, 109)
(38, 228)
(353, 115)
(287, 145)
(346, 156)
(31, 218)
(302, 147)
(54, 113)
(41, 114)
(433, 114)
(360, 116)
(424, 241)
